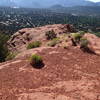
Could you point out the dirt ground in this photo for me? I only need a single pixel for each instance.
(68, 74)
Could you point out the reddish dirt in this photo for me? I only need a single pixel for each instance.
(68, 74)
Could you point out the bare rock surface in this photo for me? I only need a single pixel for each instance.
(68, 74)
(20, 39)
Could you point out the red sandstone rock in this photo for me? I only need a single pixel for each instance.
(68, 74)
(20, 39)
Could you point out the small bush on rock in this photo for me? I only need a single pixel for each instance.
(36, 61)
(50, 35)
(54, 42)
(76, 36)
(82, 32)
(34, 45)
(84, 43)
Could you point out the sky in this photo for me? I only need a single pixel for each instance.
(95, 0)
(89, 0)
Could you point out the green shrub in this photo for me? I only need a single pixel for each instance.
(76, 36)
(54, 42)
(84, 43)
(50, 35)
(36, 61)
(34, 44)
(84, 46)
(10, 56)
(3, 46)
(82, 32)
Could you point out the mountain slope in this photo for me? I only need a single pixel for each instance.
(46, 3)
(77, 10)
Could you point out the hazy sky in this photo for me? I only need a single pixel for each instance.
(95, 0)
(87, 0)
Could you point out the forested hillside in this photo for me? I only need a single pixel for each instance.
(78, 10)
(11, 19)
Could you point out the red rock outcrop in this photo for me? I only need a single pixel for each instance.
(21, 38)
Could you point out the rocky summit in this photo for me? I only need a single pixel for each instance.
(69, 72)
(21, 38)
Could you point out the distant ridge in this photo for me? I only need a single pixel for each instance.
(77, 10)
(46, 3)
